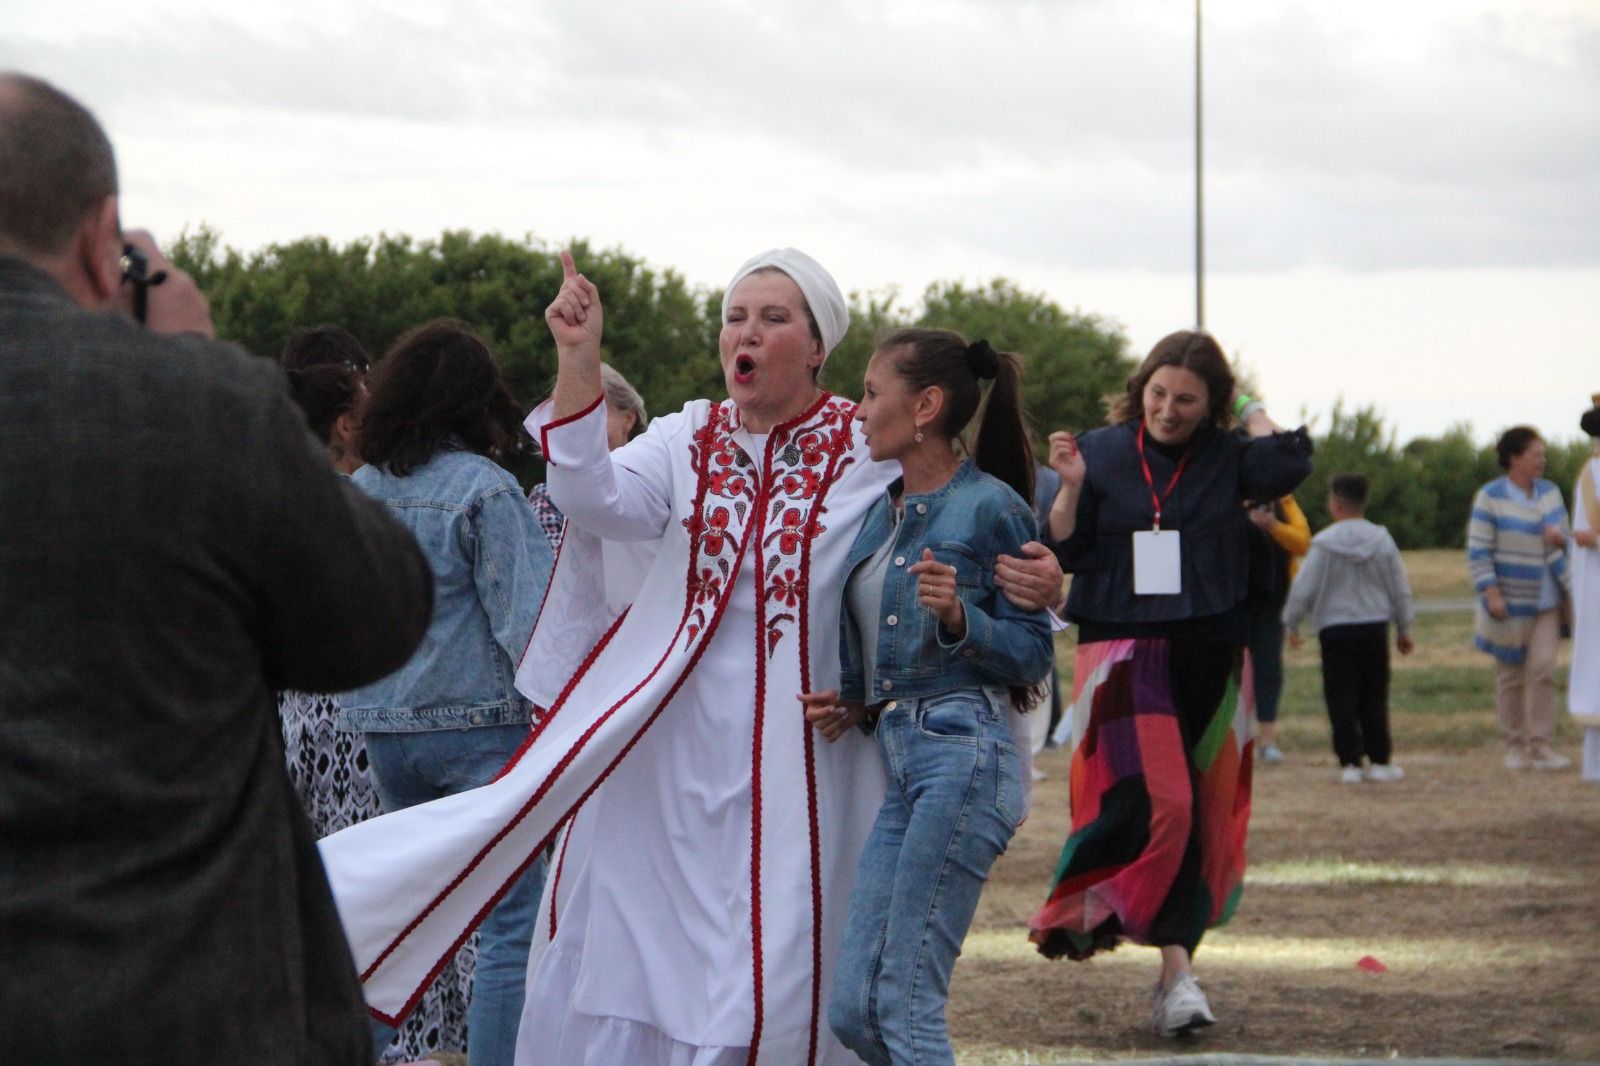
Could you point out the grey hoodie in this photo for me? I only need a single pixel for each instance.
(1353, 576)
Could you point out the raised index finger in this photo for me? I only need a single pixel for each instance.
(569, 269)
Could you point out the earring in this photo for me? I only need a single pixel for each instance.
(919, 436)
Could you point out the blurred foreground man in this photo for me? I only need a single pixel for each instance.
(173, 546)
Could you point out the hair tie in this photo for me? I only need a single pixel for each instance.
(982, 360)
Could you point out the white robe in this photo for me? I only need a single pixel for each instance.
(1583, 681)
(696, 901)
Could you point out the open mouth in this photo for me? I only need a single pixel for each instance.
(744, 369)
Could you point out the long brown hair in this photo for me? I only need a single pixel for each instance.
(438, 384)
(927, 357)
(1193, 350)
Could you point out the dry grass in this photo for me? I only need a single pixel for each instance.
(1479, 889)
(1474, 886)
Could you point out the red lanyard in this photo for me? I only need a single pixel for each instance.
(1157, 501)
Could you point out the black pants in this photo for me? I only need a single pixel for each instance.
(1199, 671)
(1355, 684)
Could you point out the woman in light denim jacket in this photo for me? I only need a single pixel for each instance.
(451, 717)
(938, 656)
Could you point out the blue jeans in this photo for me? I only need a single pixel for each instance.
(954, 797)
(412, 768)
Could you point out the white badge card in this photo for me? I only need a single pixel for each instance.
(1157, 564)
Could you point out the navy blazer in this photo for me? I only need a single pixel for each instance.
(1223, 470)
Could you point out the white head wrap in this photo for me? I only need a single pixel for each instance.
(816, 284)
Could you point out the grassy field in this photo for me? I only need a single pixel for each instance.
(1442, 695)
(1474, 886)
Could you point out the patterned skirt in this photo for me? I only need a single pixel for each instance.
(329, 771)
(1160, 790)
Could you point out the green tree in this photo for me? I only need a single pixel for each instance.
(1449, 470)
(1358, 442)
(1563, 463)
(1071, 360)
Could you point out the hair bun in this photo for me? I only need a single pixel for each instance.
(1590, 422)
(982, 360)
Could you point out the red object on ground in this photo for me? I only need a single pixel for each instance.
(1371, 965)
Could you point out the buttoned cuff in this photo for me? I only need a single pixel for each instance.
(971, 645)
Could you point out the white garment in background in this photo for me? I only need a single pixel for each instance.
(1583, 680)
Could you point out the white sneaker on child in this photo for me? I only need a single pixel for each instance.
(1383, 771)
(1180, 1007)
(1271, 753)
(1351, 775)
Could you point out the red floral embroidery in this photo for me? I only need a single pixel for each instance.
(811, 449)
(788, 489)
(728, 483)
(787, 588)
(716, 532)
(801, 483)
(707, 585)
(790, 535)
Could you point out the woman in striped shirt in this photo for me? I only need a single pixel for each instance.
(1516, 551)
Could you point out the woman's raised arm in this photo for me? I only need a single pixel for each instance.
(576, 319)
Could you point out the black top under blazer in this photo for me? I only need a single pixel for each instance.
(173, 547)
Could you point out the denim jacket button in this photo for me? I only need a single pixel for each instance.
(899, 560)
(890, 705)
(892, 620)
(888, 686)
(922, 508)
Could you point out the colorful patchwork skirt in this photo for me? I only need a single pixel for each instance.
(1160, 792)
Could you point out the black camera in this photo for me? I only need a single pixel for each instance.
(136, 272)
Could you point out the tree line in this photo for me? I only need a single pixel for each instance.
(661, 333)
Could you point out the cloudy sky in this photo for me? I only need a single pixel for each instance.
(1403, 197)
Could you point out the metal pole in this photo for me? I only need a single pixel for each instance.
(1199, 187)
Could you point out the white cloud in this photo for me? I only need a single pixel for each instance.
(1351, 148)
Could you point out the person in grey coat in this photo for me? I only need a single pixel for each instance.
(1353, 584)
(173, 547)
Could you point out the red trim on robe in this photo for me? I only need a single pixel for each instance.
(544, 430)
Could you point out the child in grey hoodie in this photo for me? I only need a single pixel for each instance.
(1351, 587)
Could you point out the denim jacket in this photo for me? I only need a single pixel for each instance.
(967, 523)
(491, 565)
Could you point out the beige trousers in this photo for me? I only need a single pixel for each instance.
(1525, 694)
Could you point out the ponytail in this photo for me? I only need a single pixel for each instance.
(927, 357)
(1003, 448)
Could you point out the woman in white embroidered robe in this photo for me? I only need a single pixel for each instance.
(697, 898)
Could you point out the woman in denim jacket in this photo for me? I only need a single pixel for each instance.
(938, 656)
(450, 718)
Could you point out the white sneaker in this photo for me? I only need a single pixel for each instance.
(1545, 759)
(1271, 753)
(1351, 775)
(1515, 759)
(1382, 771)
(1180, 1008)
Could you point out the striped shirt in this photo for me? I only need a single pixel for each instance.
(1506, 548)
